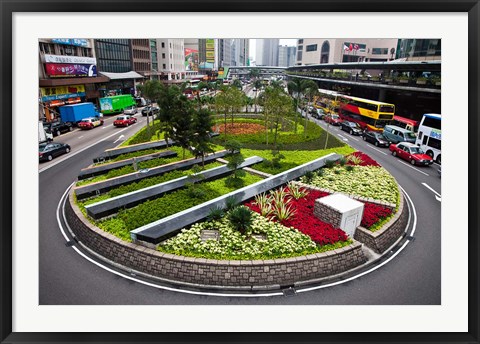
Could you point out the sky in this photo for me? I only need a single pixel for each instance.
(253, 45)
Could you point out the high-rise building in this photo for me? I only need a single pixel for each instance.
(267, 52)
(207, 55)
(240, 52)
(224, 52)
(141, 56)
(323, 50)
(286, 56)
(419, 49)
(113, 55)
(171, 58)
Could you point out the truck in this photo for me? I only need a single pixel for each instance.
(43, 136)
(116, 104)
(76, 112)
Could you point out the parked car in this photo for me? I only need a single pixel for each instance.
(57, 128)
(411, 152)
(351, 127)
(124, 121)
(131, 110)
(90, 123)
(332, 119)
(50, 150)
(151, 110)
(376, 138)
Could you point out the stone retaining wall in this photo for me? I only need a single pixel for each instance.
(227, 273)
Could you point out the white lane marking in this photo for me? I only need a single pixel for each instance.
(343, 138)
(80, 137)
(378, 150)
(438, 197)
(353, 138)
(64, 198)
(416, 169)
(119, 138)
(79, 151)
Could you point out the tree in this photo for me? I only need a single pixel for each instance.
(238, 84)
(221, 103)
(310, 91)
(151, 90)
(167, 102)
(201, 85)
(201, 139)
(254, 73)
(235, 159)
(182, 118)
(235, 100)
(256, 85)
(277, 105)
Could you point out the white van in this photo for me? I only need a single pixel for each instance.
(396, 134)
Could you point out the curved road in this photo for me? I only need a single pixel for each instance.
(66, 278)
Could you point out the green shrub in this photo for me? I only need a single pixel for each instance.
(240, 218)
(329, 163)
(215, 214)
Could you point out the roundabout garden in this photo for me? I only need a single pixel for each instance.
(263, 208)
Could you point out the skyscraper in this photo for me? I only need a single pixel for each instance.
(240, 51)
(267, 52)
(286, 56)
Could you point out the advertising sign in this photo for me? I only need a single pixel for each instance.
(210, 50)
(70, 59)
(106, 104)
(62, 92)
(80, 42)
(60, 70)
(354, 47)
(191, 59)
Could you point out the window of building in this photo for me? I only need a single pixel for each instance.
(300, 41)
(164, 66)
(325, 52)
(163, 44)
(163, 55)
(379, 51)
(311, 47)
(299, 55)
(300, 47)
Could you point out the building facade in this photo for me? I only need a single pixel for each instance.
(171, 59)
(240, 52)
(267, 52)
(224, 52)
(141, 59)
(68, 74)
(286, 56)
(419, 49)
(322, 50)
(114, 55)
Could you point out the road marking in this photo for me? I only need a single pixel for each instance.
(119, 138)
(438, 197)
(378, 150)
(416, 169)
(354, 139)
(79, 151)
(343, 138)
(80, 137)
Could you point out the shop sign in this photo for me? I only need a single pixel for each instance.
(61, 70)
(80, 42)
(62, 92)
(70, 59)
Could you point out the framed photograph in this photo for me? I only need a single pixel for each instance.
(83, 260)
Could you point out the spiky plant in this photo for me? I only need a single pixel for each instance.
(283, 211)
(354, 160)
(240, 218)
(296, 191)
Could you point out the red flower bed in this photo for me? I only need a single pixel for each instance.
(367, 161)
(320, 232)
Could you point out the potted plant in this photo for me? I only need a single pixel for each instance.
(421, 81)
(403, 79)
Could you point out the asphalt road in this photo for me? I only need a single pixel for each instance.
(67, 278)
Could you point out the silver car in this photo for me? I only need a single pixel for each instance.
(131, 110)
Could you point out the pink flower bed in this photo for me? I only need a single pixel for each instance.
(320, 232)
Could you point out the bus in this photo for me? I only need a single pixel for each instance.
(429, 136)
(405, 123)
(371, 115)
(327, 101)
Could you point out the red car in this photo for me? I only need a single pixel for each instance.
(124, 121)
(410, 152)
(332, 119)
(90, 123)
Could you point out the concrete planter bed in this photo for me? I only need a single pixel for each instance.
(237, 274)
(93, 189)
(112, 205)
(114, 152)
(104, 168)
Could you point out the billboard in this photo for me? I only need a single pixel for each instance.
(354, 47)
(61, 70)
(191, 59)
(80, 42)
(70, 59)
(210, 50)
(62, 92)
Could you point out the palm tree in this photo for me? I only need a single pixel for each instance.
(256, 85)
(295, 87)
(238, 84)
(310, 90)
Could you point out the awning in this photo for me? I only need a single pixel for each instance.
(127, 75)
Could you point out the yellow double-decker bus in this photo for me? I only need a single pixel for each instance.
(369, 114)
(327, 101)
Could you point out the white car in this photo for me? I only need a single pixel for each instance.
(131, 110)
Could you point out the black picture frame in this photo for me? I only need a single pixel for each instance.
(9, 7)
